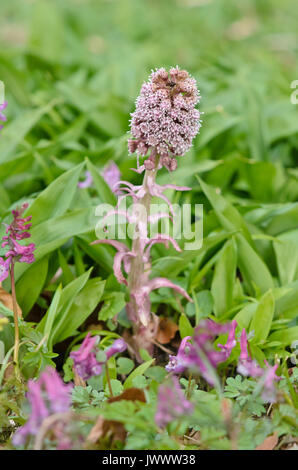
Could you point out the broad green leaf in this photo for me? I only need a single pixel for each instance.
(114, 302)
(138, 371)
(252, 267)
(263, 316)
(56, 198)
(51, 315)
(30, 285)
(185, 327)
(224, 278)
(286, 250)
(14, 131)
(227, 214)
(104, 191)
(286, 336)
(84, 304)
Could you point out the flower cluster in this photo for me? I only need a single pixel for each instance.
(165, 120)
(15, 232)
(171, 403)
(198, 353)
(2, 116)
(87, 362)
(47, 396)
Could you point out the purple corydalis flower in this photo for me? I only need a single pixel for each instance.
(85, 362)
(165, 120)
(88, 181)
(85, 359)
(17, 230)
(48, 395)
(249, 367)
(176, 363)
(197, 353)
(171, 403)
(246, 365)
(112, 175)
(2, 116)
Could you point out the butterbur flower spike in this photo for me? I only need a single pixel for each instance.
(163, 127)
(166, 120)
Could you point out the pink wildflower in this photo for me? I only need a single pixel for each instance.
(48, 395)
(171, 403)
(85, 358)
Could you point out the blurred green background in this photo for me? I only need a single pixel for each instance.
(73, 70)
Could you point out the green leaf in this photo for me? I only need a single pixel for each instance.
(124, 365)
(227, 214)
(30, 285)
(252, 267)
(224, 278)
(263, 316)
(56, 198)
(84, 304)
(14, 132)
(286, 250)
(51, 315)
(114, 302)
(138, 371)
(185, 327)
(103, 189)
(286, 336)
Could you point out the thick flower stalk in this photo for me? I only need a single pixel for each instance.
(163, 126)
(47, 396)
(16, 232)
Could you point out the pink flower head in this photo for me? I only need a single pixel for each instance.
(16, 231)
(165, 120)
(2, 116)
(48, 395)
(171, 403)
(111, 175)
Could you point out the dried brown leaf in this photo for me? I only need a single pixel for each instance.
(269, 443)
(166, 330)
